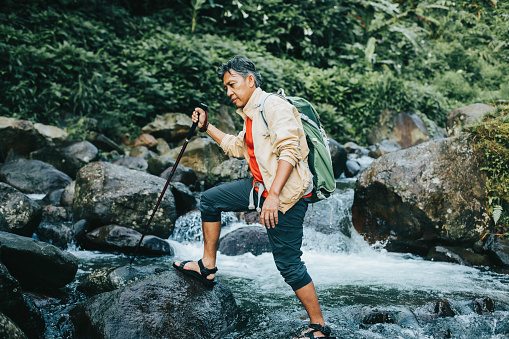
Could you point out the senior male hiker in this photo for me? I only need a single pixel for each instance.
(282, 180)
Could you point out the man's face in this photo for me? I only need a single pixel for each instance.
(238, 88)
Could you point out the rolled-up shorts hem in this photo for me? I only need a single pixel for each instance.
(306, 280)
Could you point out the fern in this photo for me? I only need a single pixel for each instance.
(497, 212)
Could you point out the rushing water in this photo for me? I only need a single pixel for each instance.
(351, 279)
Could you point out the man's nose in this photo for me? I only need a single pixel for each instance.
(229, 92)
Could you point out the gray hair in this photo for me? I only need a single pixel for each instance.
(243, 66)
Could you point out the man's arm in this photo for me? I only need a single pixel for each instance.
(216, 134)
(270, 207)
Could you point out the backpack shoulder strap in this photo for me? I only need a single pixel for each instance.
(261, 108)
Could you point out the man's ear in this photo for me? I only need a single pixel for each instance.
(251, 80)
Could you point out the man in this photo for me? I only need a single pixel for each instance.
(282, 180)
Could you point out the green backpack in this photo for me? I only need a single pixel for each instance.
(319, 158)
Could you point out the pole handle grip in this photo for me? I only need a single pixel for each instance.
(195, 124)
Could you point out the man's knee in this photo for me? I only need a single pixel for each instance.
(209, 212)
(295, 275)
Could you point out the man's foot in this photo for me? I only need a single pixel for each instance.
(198, 270)
(317, 331)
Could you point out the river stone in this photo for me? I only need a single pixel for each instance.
(182, 174)
(352, 168)
(405, 129)
(158, 164)
(249, 239)
(21, 214)
(384, 147)
(145, 139)
(165, 305)
(184, 198)
(68, 195)
(498, 250)
(172, 127)
(18, 307)
(114, 238)
(457, 255)
(9, 329)
(162, 147)
(417, 195)
(374, 316)
(51, 134)
(330, 216)
(20, 136)
(443, 309)
(483, 305)
(202, 155)
(229, 170)
(33, 176)
(108, 194)
(339, 157)
(35, 263)
(111, 278)
(53, 197)
(134, 163)
(465, 116)
(68, 158)
(104, 143)
(4, 226)
(224, 121)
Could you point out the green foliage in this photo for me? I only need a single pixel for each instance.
(491, 138)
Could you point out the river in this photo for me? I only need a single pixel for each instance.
(352, 278)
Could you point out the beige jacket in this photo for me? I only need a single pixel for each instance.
(286, 141)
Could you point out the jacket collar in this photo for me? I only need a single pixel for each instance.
(251, 107)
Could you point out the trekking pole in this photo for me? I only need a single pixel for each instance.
(188, 137)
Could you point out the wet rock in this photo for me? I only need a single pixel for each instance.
(184, 198)
(79, 229)
(67, 197)
(498, 250)
(53, 197)
(145, 140)
(9, 329)
(330, 216)
(339, 156)
(416, 195)
(352, 148)
(158, 306)
(55, 227)
(111, 278)
(113, 238)
(182, 174)
(465, 116)
(104, 143)
(108, 194)
(352, 168)
(23, 137)
(22, 215)
(158, 164)
(457, 255)
(251, 217)
(172, 127)
(202, 155)
(375, 316)
(18, 307)
(249, 239)
(382, 148)
(4, 226)
(134, 163)
(229, 170)
(443, 309)
(35, 263)
(33, 176)
(68, 158)
(483, 305)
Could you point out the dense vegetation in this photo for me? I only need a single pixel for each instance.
(123, 62)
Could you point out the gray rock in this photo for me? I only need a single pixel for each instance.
(108, 194)
(464, 116)
(405, 129)
(18, 307)
(35, 263)
(9, 329)
(498, 250)
(339, 157)
(229, 170)
(140, 152)
(134, 163)
(33, 176)
(113, 238)
(55, 227)
(172, 127)
(224, 120)
(457, 255)
(182, 174)
(484, 305)
(184, 198)
(158, 164)
(67, 197)
(382, 148)
(104, 143)
(53, 197)
(21, 214)
(159, 306)
(68, 158)
(352, 168)
(249, 239)
(428, 193)
(443, 309)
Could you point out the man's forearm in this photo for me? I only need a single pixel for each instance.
(284, 169)
(215, 133)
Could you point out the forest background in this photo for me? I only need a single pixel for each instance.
(122, 62)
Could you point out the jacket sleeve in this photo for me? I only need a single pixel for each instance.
(284, 129)
(233, 145)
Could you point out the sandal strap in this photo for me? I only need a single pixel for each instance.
(205, 272)
(326, 330)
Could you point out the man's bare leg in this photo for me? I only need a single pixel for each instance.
(309, 299)
(211, 232)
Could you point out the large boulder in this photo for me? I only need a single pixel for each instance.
(465, 116)
(9, 329)
(33, 176)
(68, 158)
(425, 195)
(35, 263)
(113, 238)
(249, 239)
(165, 305)
(229, 170)
(172, 127)
(108, 194)
(182, 174)
(24, 137)
(21, 214)
(56, 227)
(202, 155)
(18, 307)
